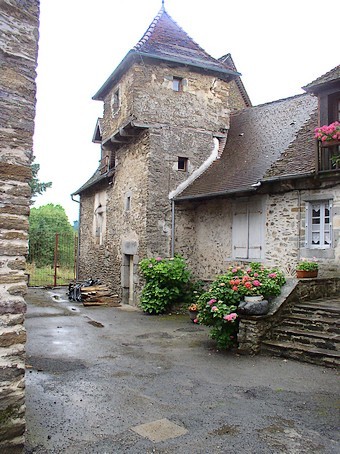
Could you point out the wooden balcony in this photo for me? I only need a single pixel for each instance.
(327, 154)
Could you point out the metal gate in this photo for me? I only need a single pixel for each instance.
(52, 261)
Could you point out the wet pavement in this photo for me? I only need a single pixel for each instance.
(113, 380)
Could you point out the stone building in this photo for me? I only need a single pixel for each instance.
(18, 56)
(166, 114)
(189, 166)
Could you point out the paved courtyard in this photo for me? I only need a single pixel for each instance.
(113, 380)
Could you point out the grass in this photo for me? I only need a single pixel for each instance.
(45, 276)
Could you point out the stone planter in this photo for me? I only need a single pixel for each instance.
(253, 299)
(259, 307)
(302, 274)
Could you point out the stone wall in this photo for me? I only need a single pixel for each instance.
(125, 213)
(146, 94)
(210, 227)
(179, 124)
(18, 53)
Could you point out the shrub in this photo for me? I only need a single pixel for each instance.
(167, 282)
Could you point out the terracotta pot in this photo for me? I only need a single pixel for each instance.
(302, 274)
(193, 315)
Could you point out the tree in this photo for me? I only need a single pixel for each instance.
(45, 222)
(36, 186)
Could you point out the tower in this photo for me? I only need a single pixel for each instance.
(165, 109)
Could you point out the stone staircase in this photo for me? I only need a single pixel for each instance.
(308, 331)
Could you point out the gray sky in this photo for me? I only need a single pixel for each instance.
(277, 46)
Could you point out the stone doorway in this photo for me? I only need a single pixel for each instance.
(128, 279)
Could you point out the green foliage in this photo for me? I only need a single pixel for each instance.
(166, 283)
(217, 309)
(45, 222)
(37, 187)
(307, 265)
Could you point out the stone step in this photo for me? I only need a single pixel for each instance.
(312, 325)
(313, 305)
(317, 319)
(320, 339)
(294, 350)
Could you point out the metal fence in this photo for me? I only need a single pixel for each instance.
(52, 260)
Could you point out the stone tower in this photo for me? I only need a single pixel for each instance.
(166, 114)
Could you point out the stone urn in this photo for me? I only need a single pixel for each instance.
(253, 307)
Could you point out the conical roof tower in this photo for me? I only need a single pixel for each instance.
(165, 40)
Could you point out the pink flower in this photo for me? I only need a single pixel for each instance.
(212, 301)
(235, 288)
(256, 275)
(214, 309)
(248, 284)
(158, 259)
(256, 283)
(272, 275)
(234, 270)
(230, 317)
(196, 320)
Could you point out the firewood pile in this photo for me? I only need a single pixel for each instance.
(93, 293)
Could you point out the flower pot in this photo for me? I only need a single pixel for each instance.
(253, 298)
(302, 274)
(193, 315)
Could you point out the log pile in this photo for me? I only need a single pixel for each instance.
(98, 295)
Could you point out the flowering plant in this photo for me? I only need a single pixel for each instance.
(218, 306)
(307, 265)
(328, 132)
(255, 279)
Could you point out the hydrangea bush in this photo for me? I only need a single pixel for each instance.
(167, 281)
(218, 306)
(328, 132)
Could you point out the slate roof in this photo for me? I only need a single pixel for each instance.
(263, 142)
(331, 76)
(165, 40)
(96, 178)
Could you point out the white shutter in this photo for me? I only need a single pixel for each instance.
(255, 234)
(240, 231)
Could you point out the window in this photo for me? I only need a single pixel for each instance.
(248, 227)
(115, 101)
(177, 84)
(318, 224)
(182, 164)
(128, 203)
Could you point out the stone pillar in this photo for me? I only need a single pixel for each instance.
(19, 21)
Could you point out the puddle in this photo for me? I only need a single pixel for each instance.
(96, 324)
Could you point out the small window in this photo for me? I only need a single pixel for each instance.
(128, 203)
(182, 164)
(115, 102)
(319, 224)
(177, 84)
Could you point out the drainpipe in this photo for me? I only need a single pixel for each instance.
(172, 228)
(78, 245)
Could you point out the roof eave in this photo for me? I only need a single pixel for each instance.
(123, 66)
(229, 72)
(214, 194)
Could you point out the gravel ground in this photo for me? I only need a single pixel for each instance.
(94, 375)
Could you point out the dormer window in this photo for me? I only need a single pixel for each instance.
(177, 84)
(115, 102)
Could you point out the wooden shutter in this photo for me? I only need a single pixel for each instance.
(255, 234)
(240, 231)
